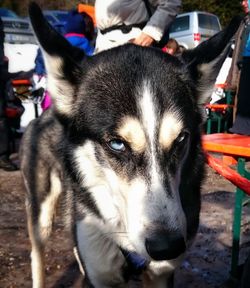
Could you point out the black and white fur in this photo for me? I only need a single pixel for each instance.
(121, 146)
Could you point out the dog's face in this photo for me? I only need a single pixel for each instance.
(135, 129)
(132, 121)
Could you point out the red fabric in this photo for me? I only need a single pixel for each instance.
(13, 112)
(47, 102)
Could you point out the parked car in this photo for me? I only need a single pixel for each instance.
(190, 29)
(16, 29)
(57, 18)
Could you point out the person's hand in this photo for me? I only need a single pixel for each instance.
(143, 40)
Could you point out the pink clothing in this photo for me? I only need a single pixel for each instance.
(47, 102)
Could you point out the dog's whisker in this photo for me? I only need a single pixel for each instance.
(113, 233)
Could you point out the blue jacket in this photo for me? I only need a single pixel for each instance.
(80, 41)
(247, 47)
(39, 64)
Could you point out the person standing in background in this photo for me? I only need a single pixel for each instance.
(241, 124)
(5, 162)
(78, 31)
(142, 22)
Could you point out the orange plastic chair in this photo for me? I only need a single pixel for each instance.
(235, 149)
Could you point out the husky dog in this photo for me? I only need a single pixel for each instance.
(121, 147)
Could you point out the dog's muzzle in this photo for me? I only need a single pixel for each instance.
(165, 246)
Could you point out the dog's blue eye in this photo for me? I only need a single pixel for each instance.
(117, 145)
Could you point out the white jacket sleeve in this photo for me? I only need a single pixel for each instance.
(162, 17)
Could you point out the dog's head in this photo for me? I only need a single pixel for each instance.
(132, 120)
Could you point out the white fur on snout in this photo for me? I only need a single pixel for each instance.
(158, 272)
(118, 201)
(136, 214)
(153, 201)
(102, 257)
(94, 178)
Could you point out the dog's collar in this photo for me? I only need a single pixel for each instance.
(136, 263)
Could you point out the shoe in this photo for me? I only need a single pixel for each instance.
(7, 165)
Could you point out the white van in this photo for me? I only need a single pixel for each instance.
(190, 29)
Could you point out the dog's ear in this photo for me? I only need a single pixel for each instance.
(205, 61)
(62, 60)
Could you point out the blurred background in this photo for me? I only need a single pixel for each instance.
(223, 9)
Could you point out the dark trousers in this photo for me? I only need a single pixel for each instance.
(4, 127)
(242, 121)
(4, 138)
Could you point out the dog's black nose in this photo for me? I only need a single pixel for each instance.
(165, 246)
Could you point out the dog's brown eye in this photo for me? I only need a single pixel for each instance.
(183, 137)
(117, 145)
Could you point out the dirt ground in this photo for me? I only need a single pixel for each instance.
(207, 263)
